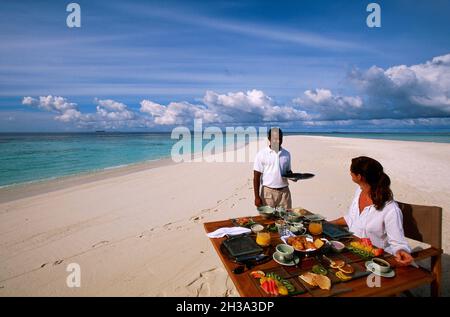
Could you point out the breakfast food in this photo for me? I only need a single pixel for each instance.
(336, 264)
(316, 280)
(347, 268)
(318, 243)
(291, 240)
(365, 248)
(342, 276)
(309, 245)
(273, 284)
(303, 243)
(245, 222)
(323, 281)
(309, 278)
(298, 245)
(319, 269)
(257, 274)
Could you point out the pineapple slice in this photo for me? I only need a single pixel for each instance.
(318, 243)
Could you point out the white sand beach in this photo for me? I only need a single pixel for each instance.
(140, 232)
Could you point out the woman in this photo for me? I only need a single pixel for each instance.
(373, 213)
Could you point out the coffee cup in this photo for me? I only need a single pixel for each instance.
(381, 265)
(286, 252)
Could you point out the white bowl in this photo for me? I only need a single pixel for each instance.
(257, 228)
(337, 246)
(266, 211)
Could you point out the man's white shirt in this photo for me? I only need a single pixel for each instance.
(272, 165)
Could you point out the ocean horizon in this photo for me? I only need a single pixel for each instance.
(32, 157)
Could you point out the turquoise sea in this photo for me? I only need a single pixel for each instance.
(442, 137)
(29, 157)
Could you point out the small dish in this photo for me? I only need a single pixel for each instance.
(278, 258)
(257, 228)
(266, 211)
(297, 229)
(337, 246)
(371, 268)
(293, 217)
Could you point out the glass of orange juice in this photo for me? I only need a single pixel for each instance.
(315, 227)
(263, 238)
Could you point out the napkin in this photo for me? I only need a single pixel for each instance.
(233, 231)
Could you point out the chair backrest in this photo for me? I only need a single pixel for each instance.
(422, 223)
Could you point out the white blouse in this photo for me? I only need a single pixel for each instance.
(383, 227)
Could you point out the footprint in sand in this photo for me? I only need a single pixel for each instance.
(212, 282)
(196, 219)
(100, 243)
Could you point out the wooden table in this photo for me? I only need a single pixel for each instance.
(406, 277)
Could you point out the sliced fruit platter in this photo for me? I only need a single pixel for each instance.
(274, 284)
(365, 248)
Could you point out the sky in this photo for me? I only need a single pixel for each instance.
(153, 65)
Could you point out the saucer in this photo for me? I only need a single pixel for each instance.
(277, 258)
(370, 268)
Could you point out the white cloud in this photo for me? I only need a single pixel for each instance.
(111, 110)
(176, 113)
(235, 107)
(109, 113)
(414, 92)
(421, 90)
(251, 106)
(322, 104)
(67, 111)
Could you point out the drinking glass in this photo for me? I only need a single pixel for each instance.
(315, 228)
(263, 238)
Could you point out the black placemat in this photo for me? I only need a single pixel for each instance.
(241, 245)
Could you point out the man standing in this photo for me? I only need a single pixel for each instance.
(270, 164)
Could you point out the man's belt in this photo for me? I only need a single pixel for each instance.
(278, 189)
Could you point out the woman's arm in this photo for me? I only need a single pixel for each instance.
(396, 237)
(339, 221)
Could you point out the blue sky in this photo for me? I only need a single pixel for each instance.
(153, 65)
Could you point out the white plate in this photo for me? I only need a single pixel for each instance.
(370, 268)
(309, 238)
(294, 261)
